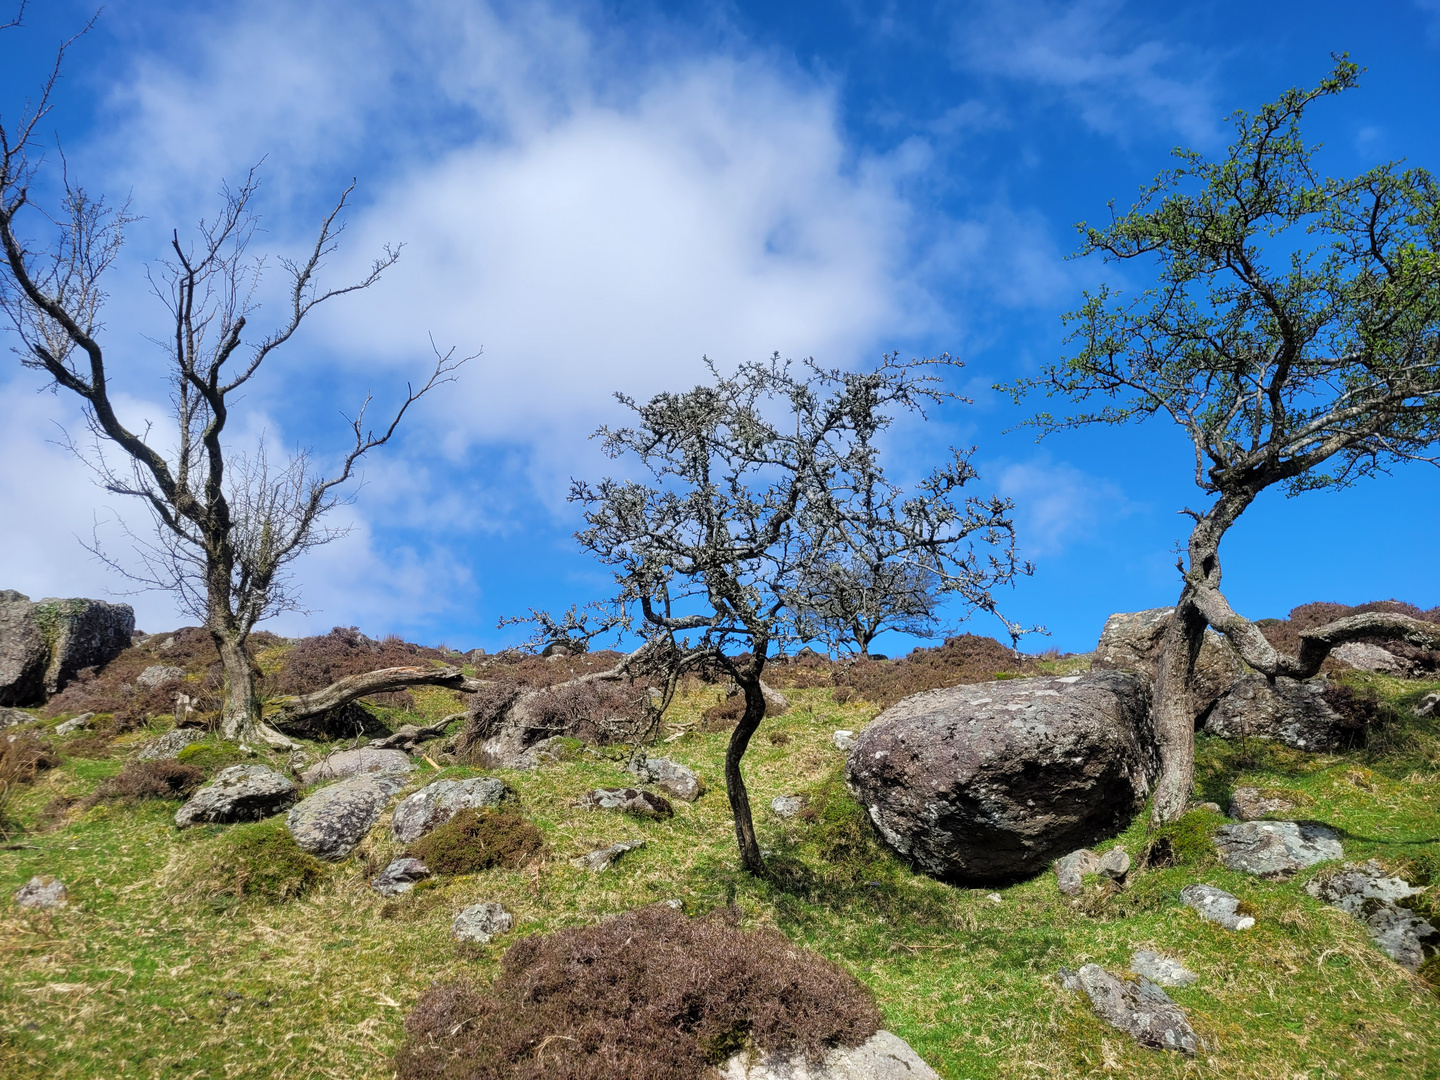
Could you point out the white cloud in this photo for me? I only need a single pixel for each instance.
(1058, 505)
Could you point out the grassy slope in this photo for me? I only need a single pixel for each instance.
(132, 979)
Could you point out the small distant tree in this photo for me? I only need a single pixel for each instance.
(758, 479)
(848, 602)
(1310, 368)
(227, 525)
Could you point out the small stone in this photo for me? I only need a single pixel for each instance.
(1140, 1009)
(1115, 863)
(437, 803)
(787, 806)
(159, 675)
(1161, 969)
(1216, 906)
(669, 776)
(1248, 804)
(1428, 705)
(1213, 807)
(354, 762)
(42, 893)
(239, 793)
(170, 744)
(995, 898)
(1276, 849)
(400, 876)
(678, 905)
(844, 741)
(10, 717)
(480, 922)
(1069, 869)
(628, 801)
(79, 723)
(602, 857)
(883, 1056)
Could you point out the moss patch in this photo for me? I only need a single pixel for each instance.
(475, 840)
(258, 862)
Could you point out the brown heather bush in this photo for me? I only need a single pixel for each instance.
(22, 759)
(475, 840)
(598, 713)
(314, 663)
(1284, 634)
(647, 995)
(163, 779)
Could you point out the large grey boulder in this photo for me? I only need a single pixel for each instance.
(669, 776)
(345, 763)
(437, 803)
(329, 823)
(239, 793)
(170, 744)
(990, 782)
(1216, 906)
(44, 645)
(1367, 892)
(1276, 849)
(1140, 1008)
(883, 1056)
(1070, 869)
(1291, 712)
(1367, 656)
(1131, 641)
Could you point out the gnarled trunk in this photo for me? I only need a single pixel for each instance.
(1173, 711)
(240, 713)
(750, 857)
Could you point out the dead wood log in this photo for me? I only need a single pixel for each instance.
(290, 710)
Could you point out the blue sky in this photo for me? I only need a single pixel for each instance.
(599, 194)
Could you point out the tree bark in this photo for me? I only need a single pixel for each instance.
(750, 857)
(1173, 712)
(240, 713)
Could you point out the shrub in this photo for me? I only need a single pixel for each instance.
(22, 758)
(475, 840)
(650, 995)
(259, 862)
(163, 779)
(210, 758)
(598, 713)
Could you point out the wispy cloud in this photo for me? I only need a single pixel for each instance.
(1058, 505)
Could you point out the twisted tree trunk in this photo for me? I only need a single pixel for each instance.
(750, 857)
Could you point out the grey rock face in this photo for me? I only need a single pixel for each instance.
(170, 744)
(329, 823)
(990, 782)
(628, 801)
(1140, 1009)
(437, 803)
(42, 893)
(239, 793)
(669, 776)
(883, 1056)
(1161, 969)
(601, 858)
(844, 741)
(78, 723)
(1365, 891)
(400, 877)
(1367, 656)
(1069, 869)
(159, 675)
(354, 762)
(480, 922)
(787, 806)
(1216, 906)
(43, 645)
(1292, 712)
(1276, 849)
(10, 717)
(1248, 804)
(1131, 641)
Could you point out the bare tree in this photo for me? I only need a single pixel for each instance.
(848, 601)
(756, 480)
(227, 526)
(1312, 373)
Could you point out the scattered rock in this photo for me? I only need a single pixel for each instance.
(883, 1056)
(603, 857)
(480, 922)
(42, 892)
(1213, 807)
(787, 806)
(1069, 869)
(1161, 969)
(1365, 891)
(1428, 705)
(409, 736)
(1248, 804)
(776, 703)
(546, 751)
(354, 762)
(159, 675)
(437, 803)
(1367, 656)
(992, 781)
(239, 793)
(1140, 1009)
(44, 645)
(1131, 641)
(669, 776)
(629, 801)
(1115, 864)
(10, 717)
(170, 744)
(400, 876)
(844, 741)
(79, 723)
(1216, 906)
(329, 823)
(1291, 712)
(1276, 849)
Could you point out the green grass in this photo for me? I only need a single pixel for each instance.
(146, 974)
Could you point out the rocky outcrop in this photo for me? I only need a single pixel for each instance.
(1276, 849)
(239, 793)
(669, 776)
(329, 823)
(159, 675)
(345, 763)
(883, 1056)
(478, 923)
(1370, 894)
(1216, 906)
(628, 801)
(437, 803)
(1367, 656)
(1131, 641)
(990, 782)
(1291, 712)
(1140, 1008)
(44, 645)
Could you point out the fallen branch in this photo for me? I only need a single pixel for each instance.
(290, 710)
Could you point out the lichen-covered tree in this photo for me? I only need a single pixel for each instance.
(1291, 329)
(849, 601)
(227, 525)
(756, 479)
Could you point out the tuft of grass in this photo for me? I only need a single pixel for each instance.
(258, 862)
(211, 757)
(1187, 842)
(474, 840)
